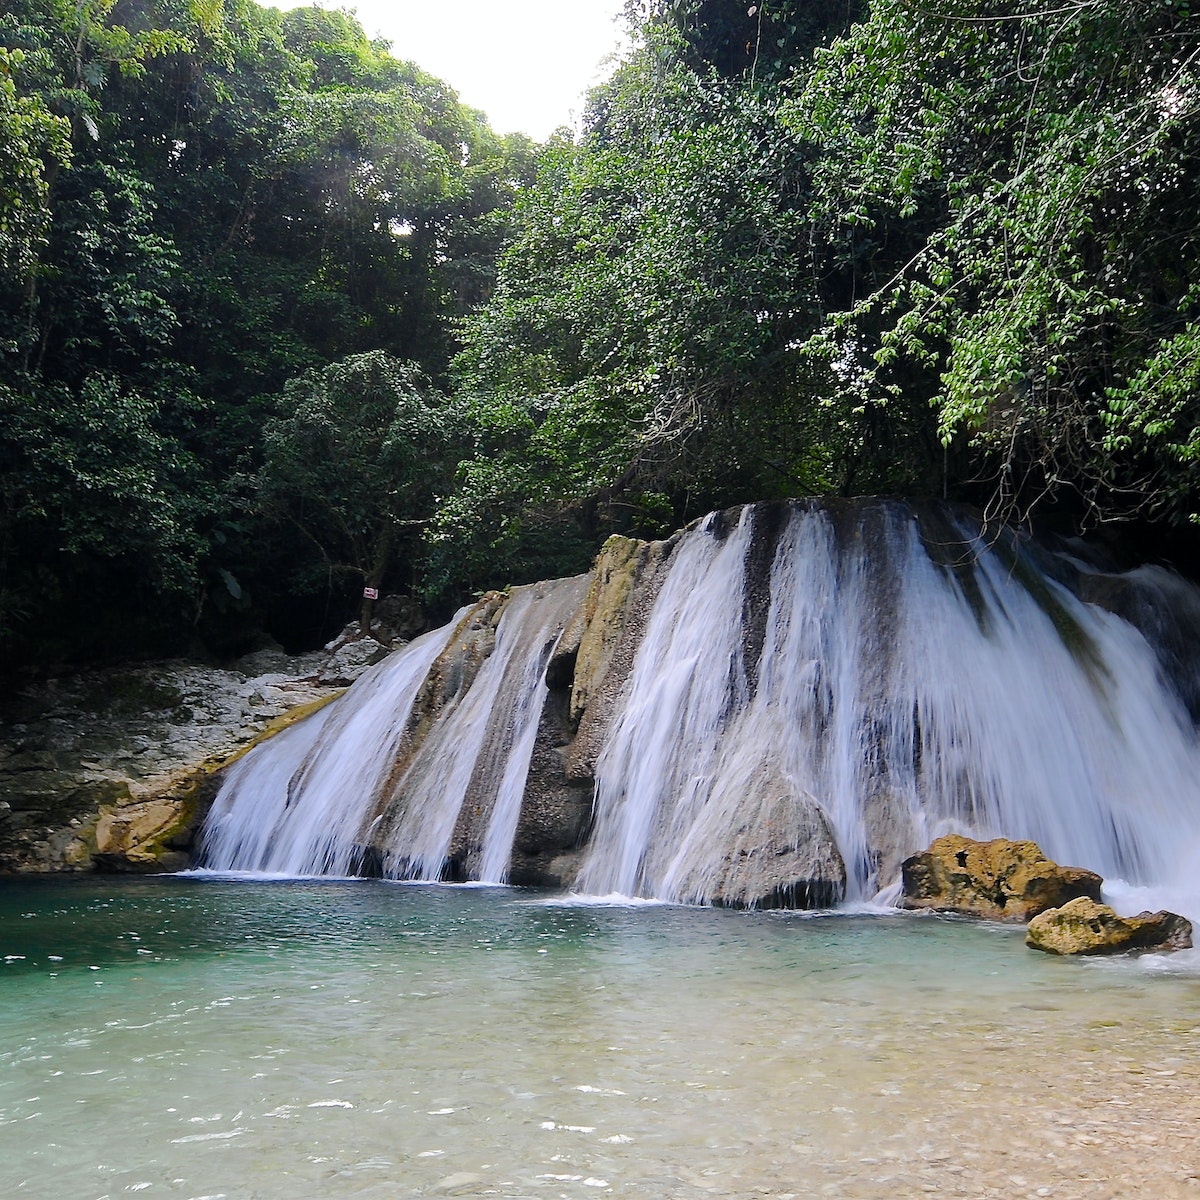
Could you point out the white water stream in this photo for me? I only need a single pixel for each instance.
(311, 800)
(905, 709)
(302, 802)
(480, 746)
(848, 687)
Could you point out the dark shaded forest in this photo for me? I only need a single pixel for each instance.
(280, 318)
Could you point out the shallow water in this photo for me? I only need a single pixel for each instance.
(196, 1037)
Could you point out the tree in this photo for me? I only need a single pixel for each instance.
(198, 203)
(1048, 160)
(639, 360)
(356, 459)
(30, 137)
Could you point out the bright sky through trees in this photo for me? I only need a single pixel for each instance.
(526, 63)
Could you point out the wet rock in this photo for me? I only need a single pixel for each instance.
(889, 821)
(1083, 926)
(625, 583)
(784, 855)
(552, 811)
(453, 671)
(1001, 880)
(556, 812)
(135, 832)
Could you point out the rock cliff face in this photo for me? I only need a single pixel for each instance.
(113, 770)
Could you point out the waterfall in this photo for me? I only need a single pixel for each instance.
(302, 802)
(779, 704)
(470, 772)
(338, 792)
(907, 697)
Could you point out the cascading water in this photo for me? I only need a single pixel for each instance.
(906, 698)
(302, 803)
(476, 752)
(322, 797)
(808, 695)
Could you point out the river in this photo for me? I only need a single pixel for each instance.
(208, 1037)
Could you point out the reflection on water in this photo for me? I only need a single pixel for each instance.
(205, 1038)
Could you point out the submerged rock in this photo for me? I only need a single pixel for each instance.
(1001, 880)
(1083, 926)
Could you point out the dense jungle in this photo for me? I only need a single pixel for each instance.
(281, 319)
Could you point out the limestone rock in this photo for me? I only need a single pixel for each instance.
(625, 583)
(134, 838)
(101, 750)
(453, 672)
(552, 810)
(782, 852)
(604, 615)
(889, 815)
(1001, 880)
(349, 659)
(556, 812)
(1083, 926)
(803, 869)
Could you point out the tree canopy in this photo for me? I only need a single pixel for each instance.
(202, 202)
(280, 316)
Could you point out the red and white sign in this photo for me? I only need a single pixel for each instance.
(370, 593)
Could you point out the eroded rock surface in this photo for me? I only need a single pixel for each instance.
(625, 583)
(1083, 926)
(785, 856)
(113, 769)
(1001, 880)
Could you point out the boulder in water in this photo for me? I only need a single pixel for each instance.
(1083, 926)
(1001, 880)
(781, 854)
(137, 838)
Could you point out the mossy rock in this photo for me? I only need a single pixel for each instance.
(1001, 880)
(1083, 926)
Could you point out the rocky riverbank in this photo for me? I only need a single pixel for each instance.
(114, 769)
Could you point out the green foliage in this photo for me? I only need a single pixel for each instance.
(763, 41)
(198, 203)
(1048, 161)
(30, 136)
(95, 493)
(356, 458)
(798, 248)
(643, 337)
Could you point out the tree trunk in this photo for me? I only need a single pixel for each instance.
(375, 576)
